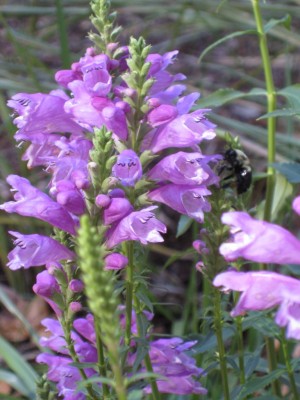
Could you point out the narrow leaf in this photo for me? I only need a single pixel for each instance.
(16, 363)
(257, 384)
(224, 39)
(290, 170)
(285, 21)
(14, 381)
(183, 225)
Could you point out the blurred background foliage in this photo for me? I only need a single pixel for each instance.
(39, 37)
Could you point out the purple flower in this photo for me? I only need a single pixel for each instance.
(76, 285)
(186, 130)
(128, 168)
(118, 208)
(69, 196)
(115, 261)
(71, 162)
(163, 79)
(85, 326)
(259, 241)
(36, 250)
(31, 202)
(60, 371)
(94, 111)
(41, 150)
(138, 225)
(296, 205)
(46, 287)
(42, 113)
(169, 360)
(186, 199)
(262, 290)
(185, 169)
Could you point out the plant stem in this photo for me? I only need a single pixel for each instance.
(66, 325)
(271, 122)
(101, 359)
(147, 359)
(129, 292)
(238, 322)
(271, 105)
(218, 330)
(289, 367)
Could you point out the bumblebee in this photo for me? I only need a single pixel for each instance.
(235, 169)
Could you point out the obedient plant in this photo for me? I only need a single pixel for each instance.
(118, 136)
(101, 139)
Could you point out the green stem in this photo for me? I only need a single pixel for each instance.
(101, 358)
(271, 105)
(289, 367)
(271, 123)
(129, 292)
(66, 325)
(238, 322)
(63, 34)
(221, 349)
(147, 359)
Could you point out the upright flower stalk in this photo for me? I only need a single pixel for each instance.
(100, 148)
(271, 123)
(271, 106)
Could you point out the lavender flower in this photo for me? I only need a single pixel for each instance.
(179, 370)
(185, 130)
(115, 261)
(138, 225)
(263, 290)
(186, 199)
(42, 113)
(36, 250)
(128, 168)
(46, 286)
(185, 169)
(31, 202)
(259, 241)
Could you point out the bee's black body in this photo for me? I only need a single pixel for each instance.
(235, 167)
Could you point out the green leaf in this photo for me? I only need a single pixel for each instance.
(285, 112)
(290, 170)
(285, 21)
(14, 381)
(252, 360)
(260, 383)
(135, 395)
(263, 323)
(224, 39)
(292, 95)
(183, 225)
(145, 375)
(223, 96)
(282, 191)
(16, 363)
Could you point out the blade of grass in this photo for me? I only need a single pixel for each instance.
(16, 363)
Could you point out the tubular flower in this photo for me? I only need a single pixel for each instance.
(179, 370)
(138, 225)
(185, 199)
(42, 113)
(262, 290)
(185, 169)
(31, 202)
(36, 250)
(47, 287)
(259, 241)
(128, 168)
